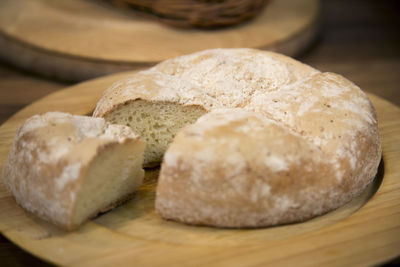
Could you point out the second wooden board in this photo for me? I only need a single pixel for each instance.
(82, 39)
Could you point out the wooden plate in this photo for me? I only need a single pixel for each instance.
(82, 39)
(366, 231)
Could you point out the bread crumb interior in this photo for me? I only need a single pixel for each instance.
(156, 123)
(110, 179)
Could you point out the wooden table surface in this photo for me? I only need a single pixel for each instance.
(359, 39)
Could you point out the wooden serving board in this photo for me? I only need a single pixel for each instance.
(366, 231)
(82, 39)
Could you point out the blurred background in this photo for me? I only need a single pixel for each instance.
(359, 39)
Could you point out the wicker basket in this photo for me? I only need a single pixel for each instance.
(197, 13)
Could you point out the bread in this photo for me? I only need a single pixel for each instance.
(66, 169)
(282, 142)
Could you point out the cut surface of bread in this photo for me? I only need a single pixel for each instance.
(66, 169)
(156, 122)
(110, 179)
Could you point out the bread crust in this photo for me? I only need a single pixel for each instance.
(216, 78)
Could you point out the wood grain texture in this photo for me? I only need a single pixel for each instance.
(355, 234)
(78, 40)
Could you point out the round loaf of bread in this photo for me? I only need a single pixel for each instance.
(66, 169)
(281, 142)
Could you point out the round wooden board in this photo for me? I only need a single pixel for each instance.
(81, 39)
(366, 231)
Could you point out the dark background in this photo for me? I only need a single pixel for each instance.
(359, 39)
